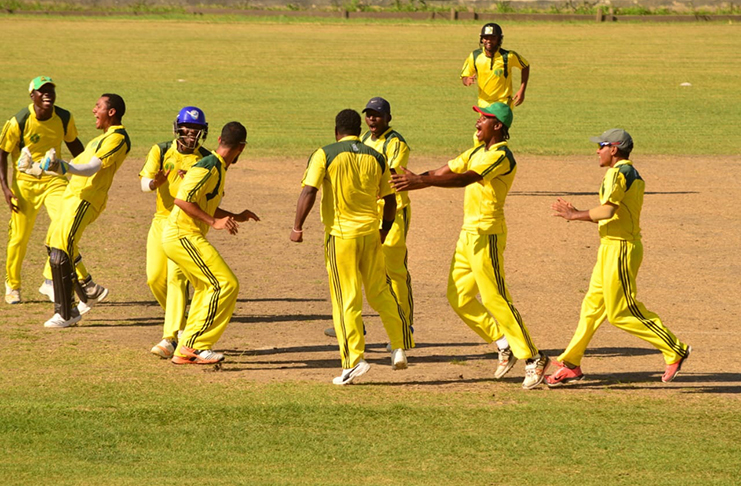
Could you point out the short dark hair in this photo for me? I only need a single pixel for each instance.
(116, 102)
(624, 152)
(233, 135)
(347, 122)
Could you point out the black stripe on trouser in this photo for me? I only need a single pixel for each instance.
(337, 288)
(625, 282)
(493, 254)
(405, 216)
(406, 332)
(213, 305)
(79, 215)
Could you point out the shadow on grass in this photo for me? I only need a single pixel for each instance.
(566, 193)
(282, 299)
(651, 380)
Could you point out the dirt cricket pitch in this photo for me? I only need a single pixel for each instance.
(690, 277)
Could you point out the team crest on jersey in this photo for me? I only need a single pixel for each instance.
(355, 148)
(169, 166)
(35, 138)
(498, 72)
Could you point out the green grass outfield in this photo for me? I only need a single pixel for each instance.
(287, 80)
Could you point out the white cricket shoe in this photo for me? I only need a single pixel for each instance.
(95, 293)
(398, 359)
(348, 376)
(164, 349)
(47, 289)
(59, 322)
(535, 369)
(12, 296)
(507, 360)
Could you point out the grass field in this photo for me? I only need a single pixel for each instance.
(89, 405)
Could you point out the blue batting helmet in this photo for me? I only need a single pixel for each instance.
(191, 115)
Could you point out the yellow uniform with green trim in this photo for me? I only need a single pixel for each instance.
(352, 177)
(478, 263)
(86, 197)
(184, 241)
(493, 74)
(392, 145)
(612, 290)
(33, 192)
(165, 279)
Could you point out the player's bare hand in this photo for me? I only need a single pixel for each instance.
(407, 180)
(468, 80)
(518, 98)
(11, 200)
(226, 223)
(297, 236)
(181, 173)
(160, 178)
(246, 215)
(563, 209)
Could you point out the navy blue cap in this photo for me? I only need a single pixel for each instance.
(378, 104)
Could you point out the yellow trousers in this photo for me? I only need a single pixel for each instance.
(66, 231)
(478, 268)
(612, 296)
(215, 285)
(31, 196)
(352, 264)
(396, 257)
(166, 281)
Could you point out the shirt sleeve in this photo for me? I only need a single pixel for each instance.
(315, 170)
(490, 164)
(71, 134)
(152, 164)
(11, 136)
(195, 185)
(613, 187)
(109, 149)
(397, 153)
(516, 60)
(459, 165)
(469, 69)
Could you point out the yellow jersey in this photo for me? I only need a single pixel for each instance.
(493, 74)
(352, 177)
(163, 157)
(204, 186)
(393, 146)
(623, 187)
(25, 130)
(111, 148)
(483, 204)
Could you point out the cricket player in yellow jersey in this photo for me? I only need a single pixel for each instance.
(163, 171)
(612, 290)
(487, 171)
(491, 67)
(38, 128)
(85, 198)
(184, 240)
(352, 177)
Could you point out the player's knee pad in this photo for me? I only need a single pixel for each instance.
(62, 274)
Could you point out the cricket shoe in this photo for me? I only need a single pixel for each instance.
(535, 369)
(186, 355)
(398, 359)
(47, 289)
(564, 375)
(57, 321)
(348, 376)
(672, 370)
(507, 360)
(95, 293)
(165, 348)
(12, 296)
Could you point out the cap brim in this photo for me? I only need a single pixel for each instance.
(596, 139)
(476, 108)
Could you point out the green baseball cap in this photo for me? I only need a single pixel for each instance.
(500, 111)
(616, 137)
(38, 82)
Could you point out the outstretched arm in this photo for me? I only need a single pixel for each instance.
(194, 211)
(305, 202)
(75, 147)
(245, 215)
(567, 211)
(442, 177)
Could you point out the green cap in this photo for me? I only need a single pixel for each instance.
(500, 111)
(38, 82)
(616, 137)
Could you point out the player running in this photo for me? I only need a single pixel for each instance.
(353, 176)
(163, 172)
(84, 199)
(36, 129)
(487, 171)
(196, 210)
(612, 290)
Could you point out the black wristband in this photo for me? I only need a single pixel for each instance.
(386, 225)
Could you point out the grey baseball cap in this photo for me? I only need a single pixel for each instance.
(378, 104)
(616, 137)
